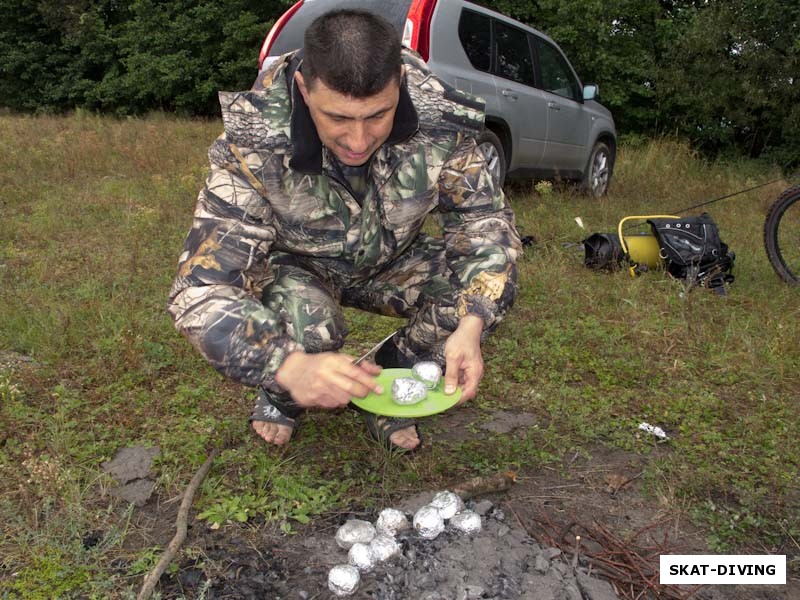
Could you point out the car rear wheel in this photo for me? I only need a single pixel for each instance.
(492, 149)
(598, 171)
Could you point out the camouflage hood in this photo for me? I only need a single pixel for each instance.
(274, 112)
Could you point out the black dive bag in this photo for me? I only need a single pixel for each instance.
(692, 249)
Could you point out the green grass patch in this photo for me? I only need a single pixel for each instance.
(94, 212)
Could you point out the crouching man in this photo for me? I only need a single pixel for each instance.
(317, 194)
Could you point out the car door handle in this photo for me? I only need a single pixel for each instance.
(553, 105)
(509, 94)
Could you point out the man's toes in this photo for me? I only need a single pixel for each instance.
(282, 435)
(405, 438)
(272, 433)
(263, 430)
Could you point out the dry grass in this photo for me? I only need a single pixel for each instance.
(94, 211)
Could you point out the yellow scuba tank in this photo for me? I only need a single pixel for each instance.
(641, 248)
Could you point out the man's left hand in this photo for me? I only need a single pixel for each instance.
(464, 361)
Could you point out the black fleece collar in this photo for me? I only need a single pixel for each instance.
(306, 145)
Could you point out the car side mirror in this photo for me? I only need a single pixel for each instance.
(591, 91)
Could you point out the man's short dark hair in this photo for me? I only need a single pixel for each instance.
(354, 52)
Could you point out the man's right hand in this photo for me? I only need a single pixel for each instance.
(327, 379)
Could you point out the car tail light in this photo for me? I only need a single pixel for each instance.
(417, 31)
(276, 29)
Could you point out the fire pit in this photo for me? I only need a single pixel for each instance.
(498, 562)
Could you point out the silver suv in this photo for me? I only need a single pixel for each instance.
(540, 120)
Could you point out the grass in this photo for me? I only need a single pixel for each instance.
(94, 212)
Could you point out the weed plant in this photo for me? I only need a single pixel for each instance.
(94, 212)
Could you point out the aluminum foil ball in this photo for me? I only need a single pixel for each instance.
(466, 521)
(448, 503)
(406, 390)
(428, 522)
(343, 580)
(428, 372)
(391, 521)
(361, 557)
(355, 530)
(384, 547)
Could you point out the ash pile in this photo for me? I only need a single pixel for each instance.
(465, 552)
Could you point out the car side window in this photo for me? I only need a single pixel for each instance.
(514, 59)
(557, 77)
(475, 33)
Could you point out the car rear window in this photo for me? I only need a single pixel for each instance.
(475, 33)
(291, 36)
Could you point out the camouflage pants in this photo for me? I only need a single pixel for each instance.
(309, 296)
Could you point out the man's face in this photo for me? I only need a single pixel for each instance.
(351, 128)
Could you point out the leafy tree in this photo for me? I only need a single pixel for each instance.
(723, 73)
(27, 66)
(129, 57)
(178, 55)
(731, 79)
(87, 36)
(617, 44)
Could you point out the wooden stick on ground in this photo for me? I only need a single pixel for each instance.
(499, 482)
(153, 576)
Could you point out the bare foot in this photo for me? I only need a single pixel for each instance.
(405, 438)
(272, 433)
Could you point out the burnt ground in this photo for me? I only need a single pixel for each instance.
(526, 550)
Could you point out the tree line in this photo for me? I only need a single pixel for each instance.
(721, 73)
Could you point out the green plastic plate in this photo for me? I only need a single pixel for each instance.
(382, 404)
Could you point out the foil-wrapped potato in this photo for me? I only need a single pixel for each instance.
(361, 557)
(384, 547)
(428, 372)
(466, 521)
(406, 390)
(343, 580)
(448, 503)
(391, 522)
(355, 530)
(428, 522)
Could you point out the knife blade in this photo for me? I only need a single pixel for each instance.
(375, 348)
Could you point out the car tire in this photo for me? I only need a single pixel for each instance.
(492, 149)
(597, 176)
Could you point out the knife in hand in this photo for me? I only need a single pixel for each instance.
(375, 348)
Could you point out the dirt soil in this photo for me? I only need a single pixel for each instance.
(526, 549)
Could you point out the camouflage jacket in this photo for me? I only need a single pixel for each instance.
(271, 188)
